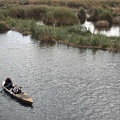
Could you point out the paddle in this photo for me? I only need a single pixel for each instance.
(20, 87)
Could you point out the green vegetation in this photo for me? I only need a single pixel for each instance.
(95, 15)
(102, 23)
(70, 35)
(100, 14)
(105, 15)
(49, 15)
(62, 24)
(60, 16)
(3, 26)
(82, 13)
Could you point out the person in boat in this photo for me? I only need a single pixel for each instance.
(8, 83)
(16, 90)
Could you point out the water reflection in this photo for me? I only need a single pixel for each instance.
(109, 31)
(44, 44)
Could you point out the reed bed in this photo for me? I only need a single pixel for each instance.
(102, 23)
(49, 15)
(66, 29)
(69, 35)
(116, 20)
(4, 27)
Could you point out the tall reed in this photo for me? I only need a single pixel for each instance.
(50, 15)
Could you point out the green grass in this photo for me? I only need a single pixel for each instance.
(70, 35)
(3, 26)
(61, 14)
(49, 15)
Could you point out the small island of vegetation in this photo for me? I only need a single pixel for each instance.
(61, 20)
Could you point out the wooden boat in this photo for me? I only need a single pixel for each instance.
(22, 96)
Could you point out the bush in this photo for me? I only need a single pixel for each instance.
(49, 15)
(105, 15)
(82, 13)
(116, 20)
(102, 23)
(95, 15)
(60, 16)
(2, 16)
(3, 26)
(95, 42)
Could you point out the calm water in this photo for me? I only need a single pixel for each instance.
(112, 31)
(65, 83)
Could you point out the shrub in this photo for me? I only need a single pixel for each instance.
(17, 12)
(102, 23)
(116, 20)
(105, 15)
(95, 15)
(2, 16)
(74, 4)
(3, 26)
(82, 13)
(39, 11)
(60, 16)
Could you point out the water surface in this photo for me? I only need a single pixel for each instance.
(114, 30)
(66, 83)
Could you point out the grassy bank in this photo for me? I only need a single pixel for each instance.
(89, 5)
(62, 20)
(48, 14)
(62, 12)
(3, 27)
(70, 35)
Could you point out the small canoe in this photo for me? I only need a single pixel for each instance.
(22, 96)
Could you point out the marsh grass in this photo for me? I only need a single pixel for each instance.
(102, 23)
(22, 19)
(101, 15)
(20, 25)
(3, 26)
(50, 15)
(106, 15)
(73, 36)
(95, 15)
(69, 35)
(116, 20)
(81, 13)
(61, 16)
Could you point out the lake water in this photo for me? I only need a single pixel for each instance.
(114, 30)
(66, 83)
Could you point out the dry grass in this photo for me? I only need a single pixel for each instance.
(62, 1)
(3, 26)
(102, 23)
(116, 20)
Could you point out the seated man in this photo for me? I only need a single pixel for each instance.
(16, 90)
(8, 83)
